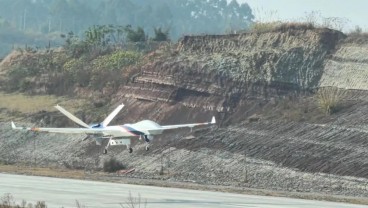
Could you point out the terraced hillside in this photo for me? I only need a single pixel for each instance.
(262, 87)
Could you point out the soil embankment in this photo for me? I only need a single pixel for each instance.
(261, 87)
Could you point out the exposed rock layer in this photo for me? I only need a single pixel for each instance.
(259, 87)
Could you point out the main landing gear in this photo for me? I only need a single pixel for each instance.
(107, 146)
(147, 142)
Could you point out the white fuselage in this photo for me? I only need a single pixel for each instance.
(138, 129)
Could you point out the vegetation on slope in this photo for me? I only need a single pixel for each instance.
(44, 21)
(89, 62)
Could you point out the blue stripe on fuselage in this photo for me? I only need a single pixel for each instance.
(96, 126)
(133, 131)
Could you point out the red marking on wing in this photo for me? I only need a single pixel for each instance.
(126, 130)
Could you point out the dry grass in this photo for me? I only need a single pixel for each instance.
(294, 26)
(27, 104)
(277, 26)
(8, 201)
(19, 104)
(263, 27)
(329, 99)
(133, 202)
(357, 38)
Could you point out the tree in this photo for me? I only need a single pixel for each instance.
(135, 35)
(181, 16)
(161, 35)
(238, 16)
(4, 23)
(60, 10)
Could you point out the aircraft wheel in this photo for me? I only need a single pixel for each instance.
(130, 150)
(105, 151)
(147, 148)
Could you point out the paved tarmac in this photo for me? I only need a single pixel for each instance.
(58, 192)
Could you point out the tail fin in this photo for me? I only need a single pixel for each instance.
(18, 127)
(213, 121)
(71, 116)
(13, 125)
(112, 115)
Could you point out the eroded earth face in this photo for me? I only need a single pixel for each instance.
(272, 132)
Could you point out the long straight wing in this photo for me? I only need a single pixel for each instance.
(71, 116)
(213, 121)
(60, 130)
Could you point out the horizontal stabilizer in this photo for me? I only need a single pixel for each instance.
(71, 116)
(18, 128)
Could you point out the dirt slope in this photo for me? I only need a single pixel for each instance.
(260, 86)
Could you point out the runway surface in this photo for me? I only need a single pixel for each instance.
(58, 192)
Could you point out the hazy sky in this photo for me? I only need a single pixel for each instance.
(355, 12)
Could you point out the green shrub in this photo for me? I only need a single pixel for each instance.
(77, 71)
(74, 46)
(73, 65)
(116, 60)
(24, 85)
(135, 35)
(108, 69)
(18, 77)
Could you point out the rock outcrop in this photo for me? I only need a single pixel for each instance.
(217, 72)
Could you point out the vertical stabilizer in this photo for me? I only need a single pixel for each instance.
(71, 116)
(112, 115)
(213, 121)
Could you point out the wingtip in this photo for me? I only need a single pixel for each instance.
(213, 121)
